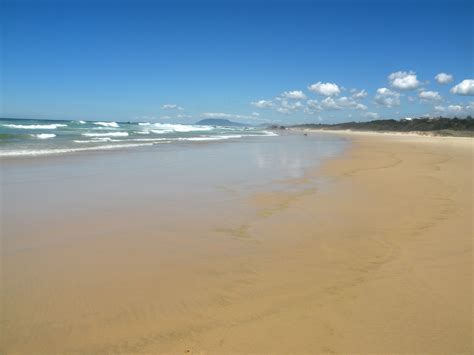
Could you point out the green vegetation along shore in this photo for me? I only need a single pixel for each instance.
(438, 126)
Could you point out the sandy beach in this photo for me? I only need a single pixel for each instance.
(369, 252)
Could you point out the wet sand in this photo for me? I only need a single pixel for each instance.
(369, 253)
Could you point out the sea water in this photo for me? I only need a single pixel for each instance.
(19, 137)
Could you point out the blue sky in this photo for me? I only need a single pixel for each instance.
(252, 61)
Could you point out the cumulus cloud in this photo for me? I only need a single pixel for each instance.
(263, 104)
(358, 94)
(341, 103)
(371, 115)
(329, 104)
(429, 95)
(349, 102)
(456, 109)
(313, 105)
(286, 106)
(465, 87)
(283, 110)
(450, 108)
(256, 114)
(403, 80)
(295, 95)
(171, 107)
(325, 89)
(387, 97)
(443, 78)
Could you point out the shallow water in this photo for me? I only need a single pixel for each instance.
(157, 184)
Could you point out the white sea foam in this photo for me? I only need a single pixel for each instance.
(224, 137)
(164, 131)
(108, 134)
(100, 128)
(95, 140)
(107, 124)
(210, 138)
(17, 153)
(142, 140)
(35, 126)
(44, 135)
(196, 139)
(264, 134)
(181, 127)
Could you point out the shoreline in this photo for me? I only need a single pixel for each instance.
(420, 134)
(365, 263)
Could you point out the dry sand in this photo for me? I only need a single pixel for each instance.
(378, 261)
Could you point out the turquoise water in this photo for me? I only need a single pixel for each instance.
(20, 137)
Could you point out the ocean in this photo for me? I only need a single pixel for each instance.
(22, 137)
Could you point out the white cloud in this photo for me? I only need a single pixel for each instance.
(325, 89)
(403, 80)
(263, 104)
(228, 116)
(349, 102)
(371, 115)
(450, 108)
(443, 78)
(296, 95)
(456, 109)
(286, 106)
(465, 87)
(313, 105)
(330, 104)
(165, 117)
(171, 107)
(429, 95)
(283, 110)
(256, 114)
(387, 97)
(359, 94)
(341, 103)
